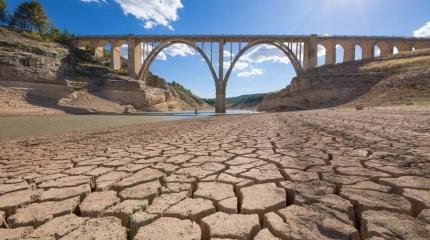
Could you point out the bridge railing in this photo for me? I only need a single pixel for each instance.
(244, 36)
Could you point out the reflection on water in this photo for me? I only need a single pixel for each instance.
(21, 126)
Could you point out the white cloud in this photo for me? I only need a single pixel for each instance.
(241, 65)
(175, 50)
(423, 31)
(250, 72)
(260, 54)
(179, 49)
(265, 53)
(321, 51)
(227, 54)
(153, 12)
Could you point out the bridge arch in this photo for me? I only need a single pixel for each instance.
(280, 45)
(384, 47)
(143, 73)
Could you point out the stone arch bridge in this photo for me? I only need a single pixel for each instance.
(217, 50)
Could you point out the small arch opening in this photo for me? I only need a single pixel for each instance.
(339, 53)
(107, 52)
(322, 52)
(118, 57)
(358, 52)
(376, 51)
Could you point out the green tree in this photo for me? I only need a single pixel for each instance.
(54, 33)
(65, 37)
(2, 12)
(30, 16)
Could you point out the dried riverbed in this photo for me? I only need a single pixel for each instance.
(326, 174)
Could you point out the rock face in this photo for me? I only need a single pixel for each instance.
(398, 79)
(46, 73)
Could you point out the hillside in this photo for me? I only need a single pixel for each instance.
(39, 77)
(401, 79)
(248, 101)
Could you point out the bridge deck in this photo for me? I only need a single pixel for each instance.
(236, 38)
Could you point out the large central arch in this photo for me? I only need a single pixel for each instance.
(281, 46)
(143, 73)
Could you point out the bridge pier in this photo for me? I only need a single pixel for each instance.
(98, 49)
(367, 50)
(348, 51)
(134, 56)
(220, 83)
(220, 99)
(311, 52)
(330, 53)
(115, 57)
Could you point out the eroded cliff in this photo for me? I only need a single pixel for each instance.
(36, 74)
(396, 80)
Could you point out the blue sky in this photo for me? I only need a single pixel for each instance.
(263, 73)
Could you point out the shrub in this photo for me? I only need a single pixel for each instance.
(2, 12)
(35, 36)
(359, 107)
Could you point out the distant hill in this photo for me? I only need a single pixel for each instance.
(401, 79)
(248, 101)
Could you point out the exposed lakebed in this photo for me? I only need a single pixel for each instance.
(22, 126)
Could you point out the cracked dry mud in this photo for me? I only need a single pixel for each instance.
(327, 174)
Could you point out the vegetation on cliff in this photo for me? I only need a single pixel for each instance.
(184, 92)
(30, 17)
(2, 12)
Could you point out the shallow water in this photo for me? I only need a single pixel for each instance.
(24, 126)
